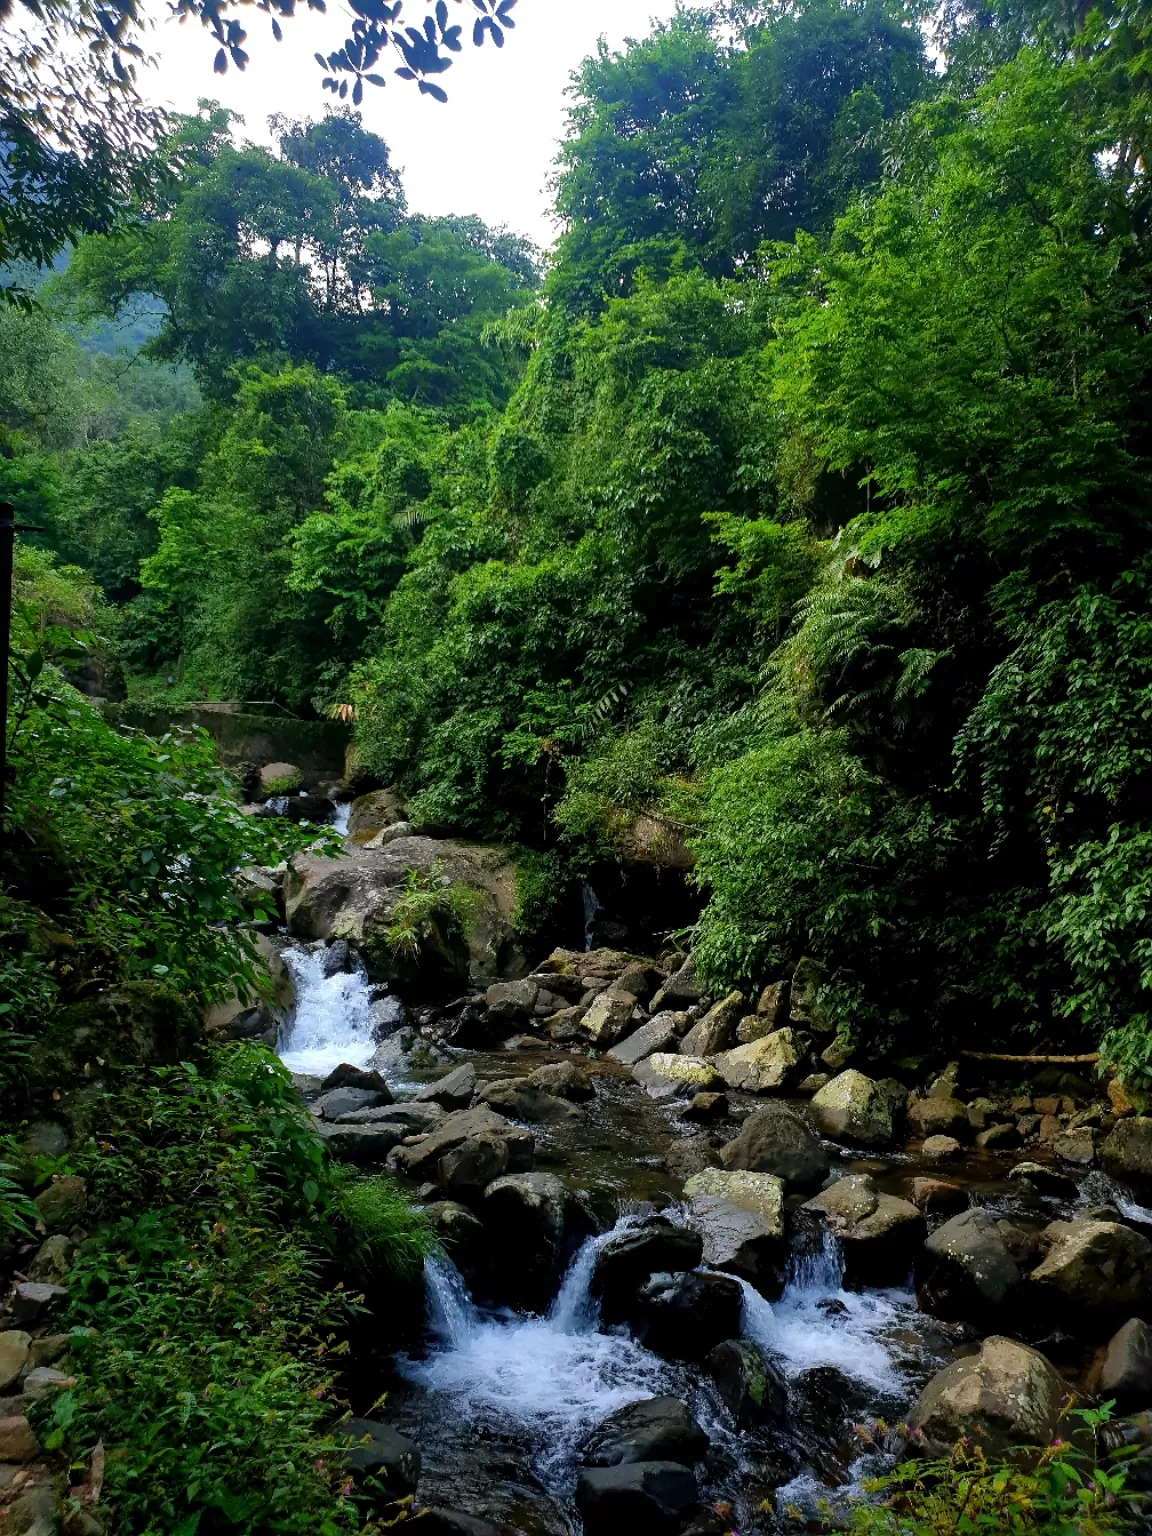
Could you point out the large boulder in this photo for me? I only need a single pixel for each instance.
(630, 1257)
(939, 1116)
(665, 1074)
(371, 813)
(854, 1110)
(683, 1316)
(1094, 1269)
(776, 1140)
(14, 1357)
(879, 1234)
(530, 1217)
(511, 1002)
(659, 1034)
(137, 1024)
(741, 1219)
(63, 1204)
(1127, 1154)
(1126, 1374)
(455, 1090)
(966, 1271)
(681, 990)
(648, 1496)
(608, 1018)
(564, 1080)
(1005, 1397)
(752, 1389)
(716, 1031)
(808, 1008)
(772, 1064)
(519, 1099)
(354, 897)
(363, 1144)
(655, 1429)
(462, 1236)
(344, 1101)
(486, 1134)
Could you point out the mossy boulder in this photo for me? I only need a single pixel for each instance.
(137, 1024)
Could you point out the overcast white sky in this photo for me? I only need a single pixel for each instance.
(489, 151)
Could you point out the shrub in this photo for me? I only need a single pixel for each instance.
(386, 1230)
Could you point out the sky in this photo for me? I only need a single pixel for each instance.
(488, 151)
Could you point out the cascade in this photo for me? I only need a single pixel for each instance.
(331, 1021)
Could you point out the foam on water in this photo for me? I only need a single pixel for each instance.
(331, 1022)
(340, 816)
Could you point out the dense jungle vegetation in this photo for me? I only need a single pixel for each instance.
(799, 501)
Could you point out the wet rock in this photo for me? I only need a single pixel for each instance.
(1077, 1146)
(936, 1197)
(528, 1216)
(1127, 1154)
(659, 1034)
(1093, 1269)
(33, 1300)
(664, 1075)
(627, 1260)
(512, 1002)
(1006, 1396)
(648, 1496)
(985, 1112)
(813, 1083)
(365, 1145)
(519, 1100)
(741, 1218)
(716, 1031)
(423, 1162)
(565, 1080)
(63, 1204)
(385, 1016)
(47, 1349)
(752, 1389)
(17, 1442)
(656, 1429)
(999, 1138)
(1044, 1181)
(936, 1116)
(14, 1355)
(690, 1156)
(451, 1522)
(379, 1452)
(966, 1271)
(823, 1398)
(772, 1004)
(879, 1234)
(706, 1109)
(680, 990)
(854, 1110)
(348, 1076)
(411, 1119)
(684, 1316)
(564, 1027)
(769, 1065)
(407, 1054)
(463, 1238)
(940, 1149)
(465, 1171)
(455, 1090)
(608, 1019)
(637, 978)
(373, 812)
(53, 1259)
(1126, 1374)
(344, 1101)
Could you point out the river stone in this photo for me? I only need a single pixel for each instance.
(343, 1101)
(453, 1131)
(17, 1442)
(608, 1018)
(1094, 1268)
(655, 1429)
(681, 990)
(752, 1389)
(1006, 1396)
(999, 1138)
(565, 1080)
(628, 1258)
(936, 1197)
(455, 1090)
(465, 1171)
(13, 1357)
(854, 1110)
(512, 1002)
(689, 1155)
(879, 1234)
(1126, 1374)
(365, 1144)
(659, 1034)
(939, 1116)
(63, 1203)
(683, 1316)
(940, 1149)
(769, 1065)
(32, 1299)
(46, 1379)
(348, 1076)
(378, 1451)
(966, 1271)
(664, 1074)
(716, 1031)
(772, 1004)
(1077, 1145)
(527, 1215)
(1127, 1154)
(640, 1496)
(373, 812)
(517, 1098)
(1045, 1181)
(705, 1109)
(412, 1119)
(741, 1218)
(463, 1237)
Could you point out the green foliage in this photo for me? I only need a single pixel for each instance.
(387, 1232)
(18, 1213)
(431, 912)
(543, 879)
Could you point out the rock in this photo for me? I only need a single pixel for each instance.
(741, 1218)
(53, 1259)
(878, 1234)
(771, 1064)
(1077, 1146)
(137, 1024)
(664, 1074)
(628, 1258)
(776, 1140)
(706, 1109)
(378, 1451)
(565, 1080)
(808, 1011)
(48, 1349)
(939, 1117)
(1094, 1269)
(608, 1019)
(655, 1429)
(1122, 1100)
(837, 1055)
(369, 814)
(683, 1316)
(1045, 1181)
(45, 1379)
(63, 1203)
(529, 1216)
(455, 1090)
(564, 1027)
(772, 1004)
(450, 1522)
(463, 1238)
(935, 1197)
(465, 1171)
(641, 1496)
(999, 1138)
(280, 778)
(17, 1442)
(519, 1100)
(966, 1271)
(716, 1031)
(984, 1112)
(680, 990)
(32, 1299)
(1126, 1374)
(753, 1390)
(854, 1110)
(1127, 1154)
(385, 1016)
(452, 1133)
(353, 896)
(348, 1076)
(45, 1138)
(940, 1149)
(637, 979)
(690, 1156)
(813, 1083)
(512, 1002)
(345, 1101)
(1006, 1396)
(659, 1034)
(14, 1357)
(364, 1144)
(410, 1119)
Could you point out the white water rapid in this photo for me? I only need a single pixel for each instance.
(331, 1022)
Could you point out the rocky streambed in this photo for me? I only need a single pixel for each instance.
(693, 1253)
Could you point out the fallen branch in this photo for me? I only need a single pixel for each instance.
(1091, 1058)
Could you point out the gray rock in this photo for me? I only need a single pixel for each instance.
(363, 1144)
(966, 1271)
(1077, 1146)
(683, 1316)
(1045, 1181)
(564, 1080)
(680, 990)
(608, 1018)
(1126, 1374)
(705, 1109)
(716, 1031)
(1004, 1397)
(528, 1217)
(659, 1034)
(939, 1116)
(53, 1259)
(752, 1389)
(63, 1203)
(32, 1300)
(741, 1219)
(940, 1149)
(14, 1355)
(378, 1451)
(411, 1119)
(628, 1258)
(999, 1138)
(348, 1076)
(517, 1098)
(641, 1496)
(422, 1162)
(879, 1234)
(1093, 1269)
(385, 1016)
(663, 1075)
(936, 1197)
(512, 1001)
(370, 813)
(455, 1090)
(772, 1004)
(854, 1110)
(46, 1138)
(46, 1379)
(771, 1064)
(1127, 1154)
(462, 1236)
(655, 1429)
(344, 1101)
(407, 1054)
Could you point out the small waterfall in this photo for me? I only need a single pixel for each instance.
(452, 1315)
(1099, 1189)
(591, 908)
(575, 1309)
(331, 1022)
(340, 818)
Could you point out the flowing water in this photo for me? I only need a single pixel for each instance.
(332, 1020)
